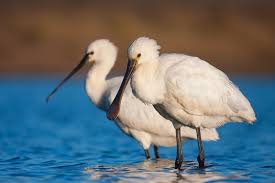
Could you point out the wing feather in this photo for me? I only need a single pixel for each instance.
(202, 89)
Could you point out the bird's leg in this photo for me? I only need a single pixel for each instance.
(200, 157)
(147, 153)
(179, 158)
(156, 150)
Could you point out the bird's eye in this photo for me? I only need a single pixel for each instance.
(138, 55)
(91, 53)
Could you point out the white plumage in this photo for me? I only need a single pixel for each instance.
(185, 89)
(188, 88)
(136, 119)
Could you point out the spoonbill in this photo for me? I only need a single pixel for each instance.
(184, 89)
(137, 120)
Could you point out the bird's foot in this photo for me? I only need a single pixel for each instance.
(200, 161)
(178, 164)
(157, 155)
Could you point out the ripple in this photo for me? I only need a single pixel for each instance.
(11, 159)
(69, 165)
(152, 171)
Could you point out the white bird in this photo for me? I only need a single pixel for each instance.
(138, 120)
(184, 89)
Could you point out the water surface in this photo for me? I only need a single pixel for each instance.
(69, 140)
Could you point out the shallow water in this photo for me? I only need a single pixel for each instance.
(69, 140)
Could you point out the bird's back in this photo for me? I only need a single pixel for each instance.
(199, 91)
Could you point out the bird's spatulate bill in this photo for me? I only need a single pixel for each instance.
(115, 106)
(77, 68)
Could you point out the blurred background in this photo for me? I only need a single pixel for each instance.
(44, 37)
(41, 41)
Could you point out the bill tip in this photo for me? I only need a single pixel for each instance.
(48, 99)
(112, 113)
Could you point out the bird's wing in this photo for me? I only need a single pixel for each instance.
(202, 89)
(137, 115)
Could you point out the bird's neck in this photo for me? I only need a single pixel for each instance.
(96, 83)
(147, 82)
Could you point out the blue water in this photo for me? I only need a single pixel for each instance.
(69, 140)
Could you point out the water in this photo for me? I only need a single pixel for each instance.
(69, 140)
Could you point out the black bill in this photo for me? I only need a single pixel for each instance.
(115, 106)
(77, 68)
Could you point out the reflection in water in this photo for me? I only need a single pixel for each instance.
(155, 171)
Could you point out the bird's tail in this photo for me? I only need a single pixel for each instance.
(247, 114)
(209, 134)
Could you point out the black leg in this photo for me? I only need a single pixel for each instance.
(156, 150)
(179, 158)
(147, 154)
(200, 157)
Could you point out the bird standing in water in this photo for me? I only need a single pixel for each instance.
(138, 120)
(184, 89)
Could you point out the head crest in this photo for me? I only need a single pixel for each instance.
(146, 46)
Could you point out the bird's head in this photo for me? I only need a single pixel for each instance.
(99, 51)
(142, 50)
